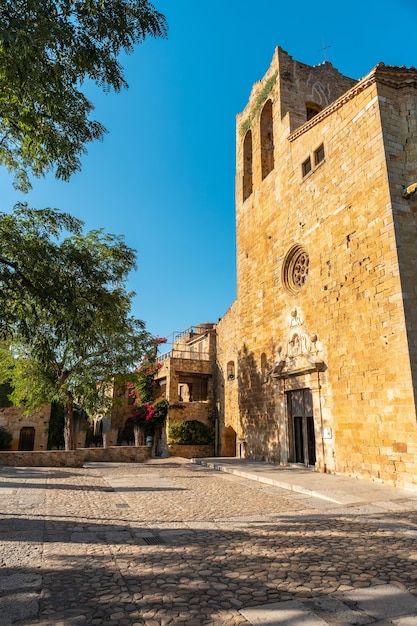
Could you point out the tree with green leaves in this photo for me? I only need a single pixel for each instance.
(48, 50)
(65, 312)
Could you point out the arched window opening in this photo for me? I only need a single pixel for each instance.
(247, 165)
(312, 109)
(264, 367)
(267, 140)
(231, 370)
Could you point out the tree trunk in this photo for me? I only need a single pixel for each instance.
(156, 442)
(69, 438)
(164, 452)
(136, 432)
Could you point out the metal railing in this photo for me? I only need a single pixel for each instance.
(184, 354)
(182, 333)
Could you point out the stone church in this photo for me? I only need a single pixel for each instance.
(316, 360)
(317, 357)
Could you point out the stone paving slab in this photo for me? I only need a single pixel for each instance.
(290, 613)
(409, 620)
(383, 601)
(335, 612)
(20, 580)
(129, 482)
(359, 607)
(334, 488)
(229, 546)
(19, 607)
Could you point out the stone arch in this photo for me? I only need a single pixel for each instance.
(312, 108)
(229, 441)
(267, 139)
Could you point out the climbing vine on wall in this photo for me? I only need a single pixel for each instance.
(263, 95)
(148, 413)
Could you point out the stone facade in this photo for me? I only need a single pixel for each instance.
(322, 337)
(186, 378)
(186, 375)
(29, 432)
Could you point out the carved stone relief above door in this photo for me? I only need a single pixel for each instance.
(300, 353)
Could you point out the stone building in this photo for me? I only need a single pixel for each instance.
(186, 376)
(317, 357)
(29, 432)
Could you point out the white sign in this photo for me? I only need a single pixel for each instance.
(326, 433)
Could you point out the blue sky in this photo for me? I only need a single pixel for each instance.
(164, 175)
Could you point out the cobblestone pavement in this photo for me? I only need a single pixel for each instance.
(168, 542)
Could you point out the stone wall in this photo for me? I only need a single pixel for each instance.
(226, 377)
(76, 458)
(118, 454)
(192, 411)
(191, 452)
(14, 420)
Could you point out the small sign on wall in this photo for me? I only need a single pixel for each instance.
(326, 433)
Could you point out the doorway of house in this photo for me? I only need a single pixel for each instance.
(27, 439)
(229, 442)
(302, 437)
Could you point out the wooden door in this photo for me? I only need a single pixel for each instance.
(27, 439)
(301, 418)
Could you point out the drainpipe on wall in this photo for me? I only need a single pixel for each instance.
(410, 190)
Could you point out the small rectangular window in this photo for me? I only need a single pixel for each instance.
(319, 155)
(306, 166)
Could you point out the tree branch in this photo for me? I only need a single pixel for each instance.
(26, 282)
(12, 264)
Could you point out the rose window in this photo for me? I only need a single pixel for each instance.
(295, 269)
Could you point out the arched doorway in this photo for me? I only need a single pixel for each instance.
(229, 442)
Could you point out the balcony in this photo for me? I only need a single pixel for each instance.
(178, 353)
